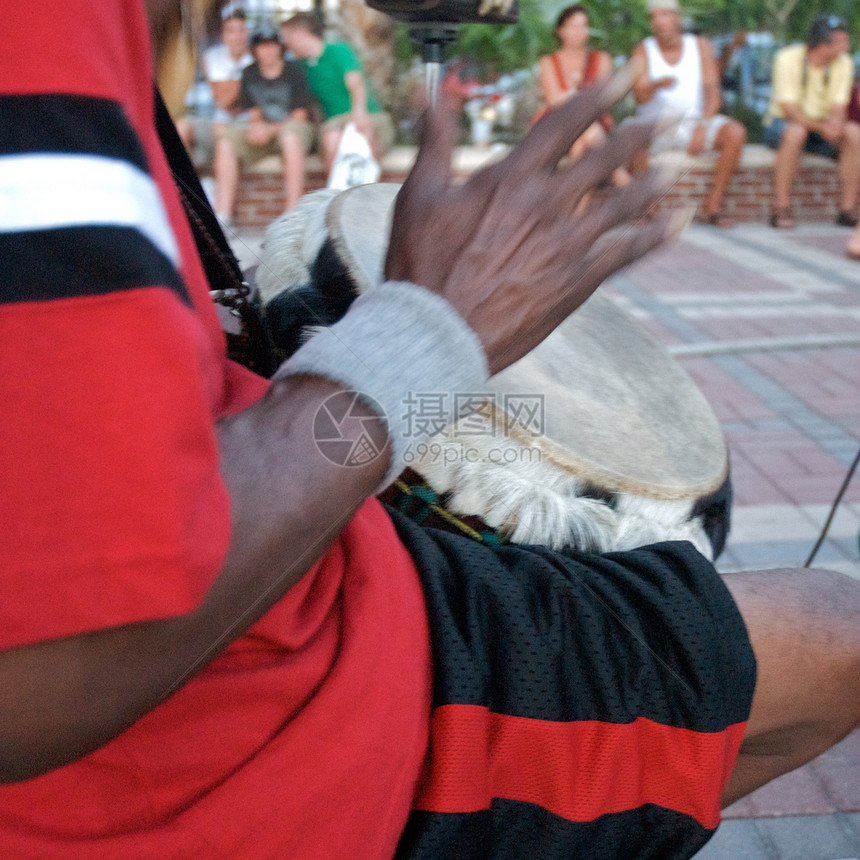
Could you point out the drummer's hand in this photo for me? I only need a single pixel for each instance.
(509, 249)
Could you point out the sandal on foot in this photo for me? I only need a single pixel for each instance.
(716, 219)
(781, 219)
(846, 219)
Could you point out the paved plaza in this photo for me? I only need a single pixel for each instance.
(768, 325)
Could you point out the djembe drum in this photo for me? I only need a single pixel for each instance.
(597, 439)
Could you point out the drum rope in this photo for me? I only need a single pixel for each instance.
(253, 346)
(431, 503)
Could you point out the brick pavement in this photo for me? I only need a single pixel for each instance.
(792, 419)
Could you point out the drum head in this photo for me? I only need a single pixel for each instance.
(359, 224)
(618, 411)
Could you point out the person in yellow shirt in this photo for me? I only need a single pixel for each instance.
(811, 91)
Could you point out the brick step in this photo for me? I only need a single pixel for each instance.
(260, 197)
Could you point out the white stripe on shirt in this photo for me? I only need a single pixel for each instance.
(47, 191)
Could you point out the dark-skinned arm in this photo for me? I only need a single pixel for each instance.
(288, 503)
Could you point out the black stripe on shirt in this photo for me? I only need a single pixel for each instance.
(68, 124)
(40, 265)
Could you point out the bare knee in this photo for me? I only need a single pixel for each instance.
(738, 134)
(851, 136)
(804, 626)
(732, 136)
(793, 137)
(289, 141)
(331, 142)
(224, 148)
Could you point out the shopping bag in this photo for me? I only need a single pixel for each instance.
(354, 163)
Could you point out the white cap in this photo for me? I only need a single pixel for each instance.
(663, 5)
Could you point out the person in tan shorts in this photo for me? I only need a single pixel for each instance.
(337, 80)
(808, 113)
(276, 95)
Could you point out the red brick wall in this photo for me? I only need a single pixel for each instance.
(261, 199)
(814, 195)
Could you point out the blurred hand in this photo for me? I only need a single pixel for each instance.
(664, 83)
(259, 133)
(363, 124)
(509, 249)
(697, 141)
(831, 130)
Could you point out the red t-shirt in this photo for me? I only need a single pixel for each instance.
(305, 738)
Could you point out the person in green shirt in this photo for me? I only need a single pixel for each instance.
(338, 83)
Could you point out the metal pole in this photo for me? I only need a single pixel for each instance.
(433, 38)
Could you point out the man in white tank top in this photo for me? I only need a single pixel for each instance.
(681, 79)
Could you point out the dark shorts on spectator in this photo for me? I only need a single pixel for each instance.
(815, 143)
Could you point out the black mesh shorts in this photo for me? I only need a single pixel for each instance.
(584, 706)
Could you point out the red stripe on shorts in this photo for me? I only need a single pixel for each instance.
(576, 770)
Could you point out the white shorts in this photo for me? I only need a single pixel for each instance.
(680, 137)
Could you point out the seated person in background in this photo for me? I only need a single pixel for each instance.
(222, 66)
(854, 105)
(574, 67)
(811, 90)
(336, 79)
(187, 132)
(739, 40)
(681, 80)
(275, 93)
(852, 248)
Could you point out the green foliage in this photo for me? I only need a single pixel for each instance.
(619, 25)
(404, 48)
(507, 47)
(749, 118)
(716, 17)
(797, 23)
(788, 20)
